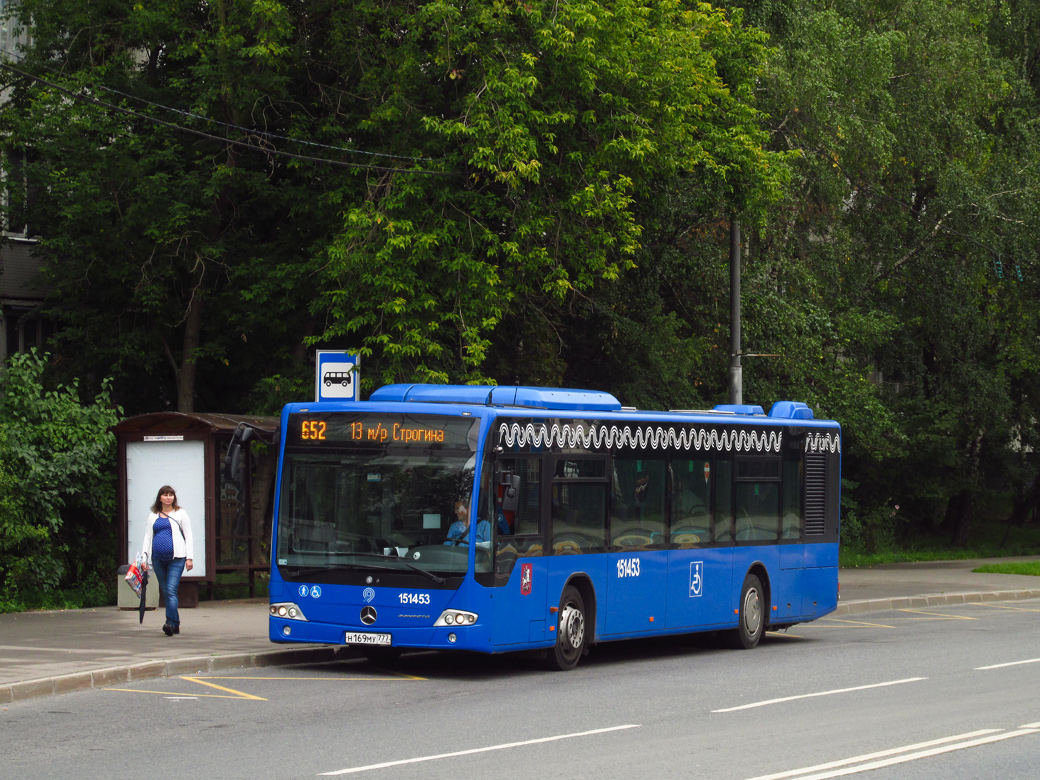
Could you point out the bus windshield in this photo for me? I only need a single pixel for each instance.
(352, 508)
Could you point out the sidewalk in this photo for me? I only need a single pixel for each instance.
(44, 653)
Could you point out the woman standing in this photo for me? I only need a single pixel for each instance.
(168, 547)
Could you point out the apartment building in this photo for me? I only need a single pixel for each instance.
(21, 291)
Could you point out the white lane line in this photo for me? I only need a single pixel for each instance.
(874, 756)
(472, 751)
(767, 702)
(1011, 663)
(851, 770)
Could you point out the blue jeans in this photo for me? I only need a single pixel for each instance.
(168, 576)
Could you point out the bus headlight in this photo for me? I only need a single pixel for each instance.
(287, 610)
(456, 617)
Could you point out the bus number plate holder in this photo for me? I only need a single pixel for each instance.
(358, 638)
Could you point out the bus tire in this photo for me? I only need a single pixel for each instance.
(571, 632)
(751, 617)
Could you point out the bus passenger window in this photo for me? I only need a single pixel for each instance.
(791, 524)
(691, 501)
(637, 501)
(723, 500)
(758, 505)
(579, 517)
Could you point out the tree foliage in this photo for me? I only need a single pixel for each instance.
(541, 193)
(57, 482)
(501, 153)
(899, 274)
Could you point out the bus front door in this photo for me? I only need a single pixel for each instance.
(519, 606)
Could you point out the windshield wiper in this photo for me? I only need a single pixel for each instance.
(354, 567)
(428, 574)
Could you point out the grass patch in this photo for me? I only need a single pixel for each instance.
(91, 594)
(1011, 567)
(988, 539)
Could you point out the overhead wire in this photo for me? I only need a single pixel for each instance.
(209, 136)
(253, 131)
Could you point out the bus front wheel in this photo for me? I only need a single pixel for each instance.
(751, 619)
(570, 633)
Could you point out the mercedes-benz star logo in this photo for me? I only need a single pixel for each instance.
(368, 615)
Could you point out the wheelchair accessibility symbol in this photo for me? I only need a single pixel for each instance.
(696, 579)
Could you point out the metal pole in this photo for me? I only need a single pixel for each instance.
(736, 372)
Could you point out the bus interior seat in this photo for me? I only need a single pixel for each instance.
(566, 547)
(691, 535)
(633, 538)
(575, 543)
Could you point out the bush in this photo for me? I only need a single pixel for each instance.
(57, 484)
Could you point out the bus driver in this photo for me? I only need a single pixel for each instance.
(459, 530)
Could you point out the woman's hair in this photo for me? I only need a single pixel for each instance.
(157, 506)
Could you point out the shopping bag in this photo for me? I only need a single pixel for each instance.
(135, 576)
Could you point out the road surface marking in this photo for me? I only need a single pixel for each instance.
(222, 688)
(168, 695)
(874, 756)
(488, 749)
(855, 623)
(1009, 663)
(390, 677)
(804, 774)
(938, 615)
(1005, 606)
(767, 702)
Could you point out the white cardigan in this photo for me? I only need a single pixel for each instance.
(183, 545)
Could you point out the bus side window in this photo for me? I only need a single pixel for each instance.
(792, 525)
(579, 506)
(723, 500)
(637, 501)
(691, 501)
(757, 512)
(521, 514)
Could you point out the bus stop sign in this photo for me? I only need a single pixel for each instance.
(336, 376)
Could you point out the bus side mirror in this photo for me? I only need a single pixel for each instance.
(243, 433)
(510, 492)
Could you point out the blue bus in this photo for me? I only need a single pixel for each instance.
(504, 519)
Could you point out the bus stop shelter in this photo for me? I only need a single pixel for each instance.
(230, 517)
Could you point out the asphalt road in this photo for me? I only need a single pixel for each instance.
(949, 692)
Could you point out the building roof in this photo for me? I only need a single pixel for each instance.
(180, 422)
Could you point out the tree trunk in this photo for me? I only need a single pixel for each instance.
(958, 516)
(1027, 505)
(188, 368)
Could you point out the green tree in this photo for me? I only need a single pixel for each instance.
(889, 281)
(509, 149)
(57, 483)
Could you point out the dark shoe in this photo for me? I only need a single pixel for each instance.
(168, 629)
(176, 629)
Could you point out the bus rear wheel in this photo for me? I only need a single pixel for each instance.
(570, 633)
(751, 619)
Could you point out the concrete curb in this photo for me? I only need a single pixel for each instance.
(932, 600)
(106, 678)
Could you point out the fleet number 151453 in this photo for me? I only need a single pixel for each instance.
(628, 567)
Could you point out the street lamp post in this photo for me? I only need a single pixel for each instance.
(736, 372)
